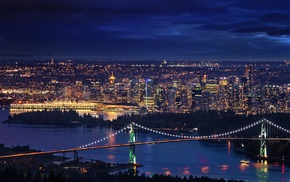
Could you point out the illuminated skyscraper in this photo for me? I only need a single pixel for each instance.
(110, 92)
(250, 79)
(149, 93)
(196, 96)
(78, 89)
(86, 92)
(135, 91)
(160, 96)
(68, 92)
(223, 94)
(171, 97)
(96, 91)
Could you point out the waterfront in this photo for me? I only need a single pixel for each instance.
(217, 160)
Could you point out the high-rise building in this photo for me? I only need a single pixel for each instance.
(78, 89)
(250, 78)
(86, 92)
(110, 92)
(223, 94)
(171, 97)
(150, 91)
(196, 97)
(96, 91)
(68, 92)
(135, 91)
(211, 86)
(160, 96)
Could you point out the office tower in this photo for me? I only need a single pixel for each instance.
(86, 92)
(171, 97)
(96, 91)
(150, 91)
(68, 92)
(223, 94)
(135, 91)
(78, 90)
(110, 94)
(122, 92)
(196, 97)
(160, 97)
(250, 79)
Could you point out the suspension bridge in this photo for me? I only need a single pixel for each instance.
(267, 131)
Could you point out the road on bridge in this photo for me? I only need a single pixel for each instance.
(130, 144)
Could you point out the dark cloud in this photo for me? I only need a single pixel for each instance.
(145, 29)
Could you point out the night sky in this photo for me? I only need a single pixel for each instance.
(146, 29)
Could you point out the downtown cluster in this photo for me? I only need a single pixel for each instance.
(152, 86)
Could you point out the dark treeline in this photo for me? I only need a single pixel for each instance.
(55, 117)
(207, 122)
(11, 174)
(15, 150)
(5, 101)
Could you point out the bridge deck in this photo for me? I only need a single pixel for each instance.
(129, 144)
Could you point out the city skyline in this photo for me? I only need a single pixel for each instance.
(156, 87)
(156, 30)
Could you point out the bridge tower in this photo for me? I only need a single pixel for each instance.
(76, 156)
(263, 138)
(132, 155)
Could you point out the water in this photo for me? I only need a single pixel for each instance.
(216, 160)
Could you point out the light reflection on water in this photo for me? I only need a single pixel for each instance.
(217, 160)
